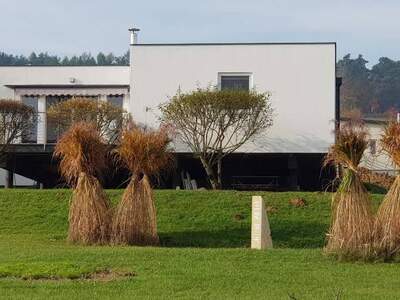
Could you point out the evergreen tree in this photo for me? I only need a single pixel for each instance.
(101, 59)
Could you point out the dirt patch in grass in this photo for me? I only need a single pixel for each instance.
(98, 276)
(61, 272)
(108, 275)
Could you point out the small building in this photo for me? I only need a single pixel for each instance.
(301, 78)
(41, 87)
(375, 159)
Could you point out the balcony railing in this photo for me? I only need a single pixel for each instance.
(48, 131)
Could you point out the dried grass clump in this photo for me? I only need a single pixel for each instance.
(387, 225)
(80, 150)
(390, 142)
(145, 153)
(350, 234)
(89, 214)
(82, 157)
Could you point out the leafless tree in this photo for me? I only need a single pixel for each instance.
(16, 122)
(108, 118)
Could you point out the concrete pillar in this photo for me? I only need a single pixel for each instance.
(42, 121)
(103, 98)
(9, 179)
(17, 97)
(126, 102)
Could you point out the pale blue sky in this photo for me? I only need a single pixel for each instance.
(74, 26)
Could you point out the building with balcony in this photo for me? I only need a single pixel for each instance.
(43, 86)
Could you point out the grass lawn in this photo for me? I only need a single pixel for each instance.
(205, 238)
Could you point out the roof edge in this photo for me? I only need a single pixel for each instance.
(65, 66)
(235, 44)
(67, 85)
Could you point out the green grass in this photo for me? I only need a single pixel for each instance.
(205, 238)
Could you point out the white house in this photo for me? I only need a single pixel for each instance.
(301, 78)
(42, 86)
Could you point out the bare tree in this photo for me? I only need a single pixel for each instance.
(108, 118)
(16, 122)
(215, 123)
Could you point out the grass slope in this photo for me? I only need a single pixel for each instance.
(205, 237)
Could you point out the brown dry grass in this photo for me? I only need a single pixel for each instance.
(80, 149)
(89, 213)
(350, 235)
(349, 147)
(390, 141)
(387, 225)
(82, 157)
(145, 153)
(135, 220)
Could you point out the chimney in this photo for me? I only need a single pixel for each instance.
(134, 35)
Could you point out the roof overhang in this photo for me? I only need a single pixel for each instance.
(71, 89)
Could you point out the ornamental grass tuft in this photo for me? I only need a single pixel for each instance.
(350, 234)
(145, 153)
(387, 225)
(82, 158)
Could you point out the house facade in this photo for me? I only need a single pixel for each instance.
(300, 77)
(41, 87)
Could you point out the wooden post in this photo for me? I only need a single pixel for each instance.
(260, 230)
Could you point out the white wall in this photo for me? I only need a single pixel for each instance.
(60, 75)
(301, 78)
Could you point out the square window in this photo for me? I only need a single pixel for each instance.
(116, 100)
(235, 82)
(30, 136)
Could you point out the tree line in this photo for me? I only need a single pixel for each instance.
(366, 91)
(371, 92)
(46, 59)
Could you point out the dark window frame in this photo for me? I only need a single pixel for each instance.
(226, 81)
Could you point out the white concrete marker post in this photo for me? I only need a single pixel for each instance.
(260, 230)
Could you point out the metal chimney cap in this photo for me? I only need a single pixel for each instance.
(134, 29)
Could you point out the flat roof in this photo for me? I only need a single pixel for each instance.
(71, 85)
(66, 66)
(235, 44)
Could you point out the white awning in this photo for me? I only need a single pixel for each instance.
(72, 91)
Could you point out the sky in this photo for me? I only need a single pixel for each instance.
(71, 27)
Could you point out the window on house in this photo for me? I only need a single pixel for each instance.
(53, 129)
(235, 82)
(372, 146)
(31, 135)
(116, 100)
